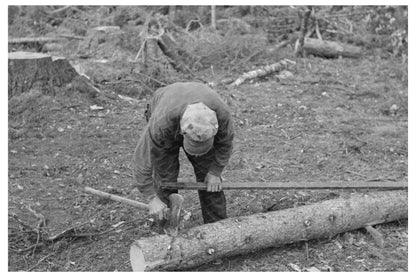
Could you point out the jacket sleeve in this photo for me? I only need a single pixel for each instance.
(223, 144)
(156, 159)
(142, 166)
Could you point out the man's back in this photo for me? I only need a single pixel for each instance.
(170, 102)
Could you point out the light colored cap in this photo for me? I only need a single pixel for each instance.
(199, 125)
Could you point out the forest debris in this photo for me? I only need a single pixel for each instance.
(52, 47)
(128, 99)
(107, 29)
(376, 235)
(393, 109)
(294, 267)
(285, 74)
(264, 71)
(96, 108)
(312, 269)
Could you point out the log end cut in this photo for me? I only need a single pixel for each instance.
(137, 260)
(152, 252)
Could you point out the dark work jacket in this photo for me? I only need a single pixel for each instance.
(156, 158)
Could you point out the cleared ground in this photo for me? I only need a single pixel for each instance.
(333, 120)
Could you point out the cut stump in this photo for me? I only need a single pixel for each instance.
(29, 70)
(232, 236)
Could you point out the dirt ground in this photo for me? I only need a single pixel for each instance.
(342, 119)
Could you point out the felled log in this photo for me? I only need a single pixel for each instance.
(261, 72)
(29, 70)
(232, 236)
(42, 40)
(330, 49)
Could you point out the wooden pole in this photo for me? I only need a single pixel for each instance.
(232, 236)
(292, 185)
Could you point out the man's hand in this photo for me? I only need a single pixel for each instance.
(156, 207)
(213, 183)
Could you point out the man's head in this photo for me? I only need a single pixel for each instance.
(198, 126)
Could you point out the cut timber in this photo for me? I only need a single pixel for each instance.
(330, 49)
(268, 69)
(232, 236)
(28, 70)
(291, 185)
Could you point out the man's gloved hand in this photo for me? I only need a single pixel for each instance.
(213, 183)
(157, 207)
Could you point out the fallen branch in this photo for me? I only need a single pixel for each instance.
(60, 10)
(268, 69)
(376, 235)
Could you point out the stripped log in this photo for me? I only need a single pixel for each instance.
(268, 69)
(330, 49)
(232, 236)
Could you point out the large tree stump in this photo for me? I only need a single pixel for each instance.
(330, 49)
(206, 243)
(29, 70)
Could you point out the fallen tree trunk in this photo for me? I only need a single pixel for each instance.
(232, 236)
(264, 71)
(330, 49)
(28, 70)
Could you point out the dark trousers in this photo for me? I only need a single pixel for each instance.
(213, 204)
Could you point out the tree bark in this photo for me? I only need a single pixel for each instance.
(28, 70)
(330, 49)
(232, 236)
